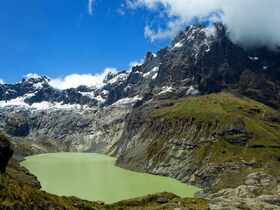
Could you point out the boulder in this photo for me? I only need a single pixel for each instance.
(5, 153)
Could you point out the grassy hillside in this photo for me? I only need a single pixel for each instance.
(214, 141)
(228, 112)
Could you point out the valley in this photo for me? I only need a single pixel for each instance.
(202, 112)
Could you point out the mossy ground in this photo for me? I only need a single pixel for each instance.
(214, 112)
(162, 201)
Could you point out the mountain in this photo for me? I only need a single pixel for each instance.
(200, 60)
(203, 110)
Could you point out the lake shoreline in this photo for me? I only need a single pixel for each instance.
(129, 184)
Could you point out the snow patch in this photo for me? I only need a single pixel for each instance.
(151, 73)
(105, 92)
(57, 105)
(138, 72)
(32, 76)
(166, 89)
(38, 106)
(178, 44)
(38, 86)
(118, 78)
(192, 91)
(254, 58)
(155, 76)
(92, 95)
(88, 94)
(19, 102)
(126, 101)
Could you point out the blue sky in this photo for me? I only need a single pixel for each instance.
(60, 37)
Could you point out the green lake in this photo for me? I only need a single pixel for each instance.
(94, 177)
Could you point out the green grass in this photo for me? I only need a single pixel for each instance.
(223, 109)
(211, 113)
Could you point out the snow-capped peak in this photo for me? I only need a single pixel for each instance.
(32, 76)
(34, 79)
(118, 78)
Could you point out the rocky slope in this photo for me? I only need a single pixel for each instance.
(203, 110)
(65, 130)
(226, 144)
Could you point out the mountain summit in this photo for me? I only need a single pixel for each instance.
(199, 60)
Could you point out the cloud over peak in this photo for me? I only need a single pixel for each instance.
(250, 22)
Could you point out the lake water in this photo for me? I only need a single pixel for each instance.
(95, 177)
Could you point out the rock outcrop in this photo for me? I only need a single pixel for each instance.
(259, 191)
(5, 153)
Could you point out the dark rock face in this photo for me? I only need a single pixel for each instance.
(5, 153)
(207, 59)
(261, 86)
(235, 133)
(204, 55)
(17, 124)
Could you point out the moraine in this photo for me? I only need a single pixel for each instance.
(95, 177)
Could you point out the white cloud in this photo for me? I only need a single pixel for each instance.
(76, 80)
(2, 81)
(32, 75)
(172, 28)
(90, 7)
(250, 22)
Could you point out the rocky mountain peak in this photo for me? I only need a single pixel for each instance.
(34, 78)
(149, 57)
(110, 75)
(200, 60)
(34, 81)
(198, 35)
